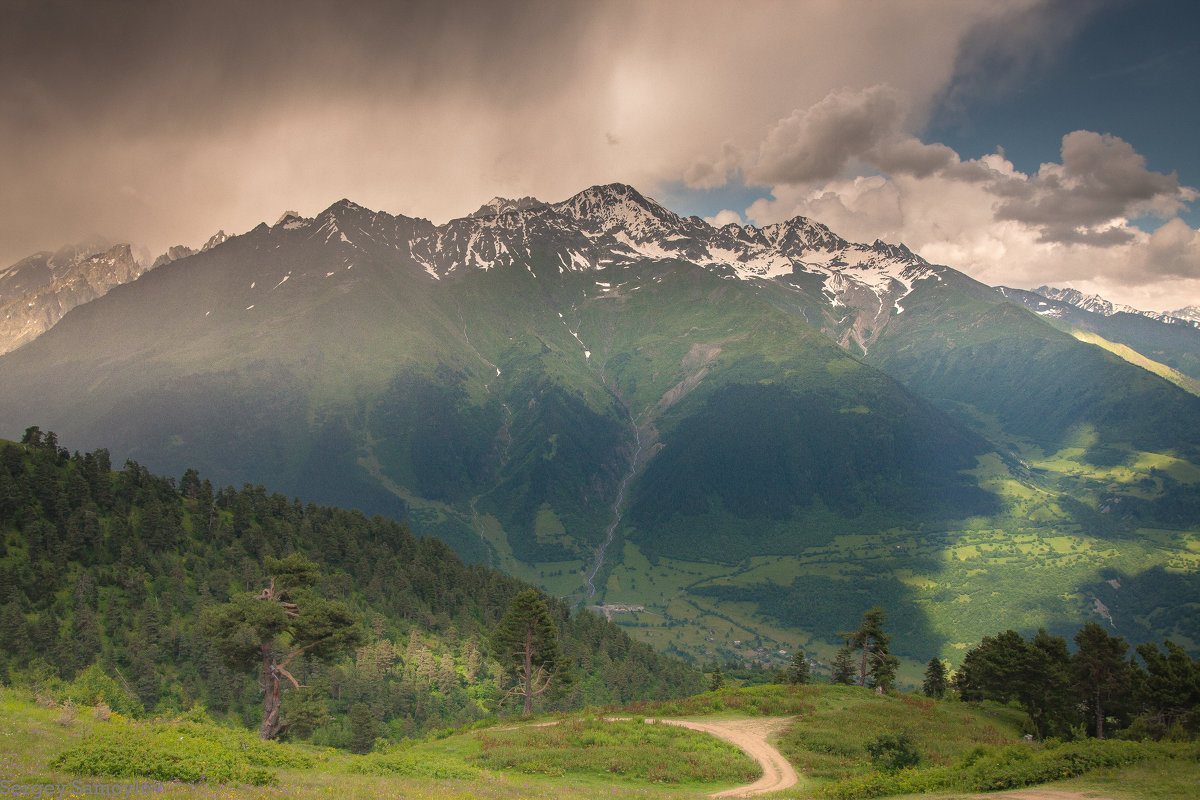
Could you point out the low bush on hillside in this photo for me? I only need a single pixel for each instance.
(1022, 765)
(768, 700)
(412, 765)
(630, 749)
(991, 769)
(187, 751)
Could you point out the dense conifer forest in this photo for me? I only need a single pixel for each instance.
(104, 576)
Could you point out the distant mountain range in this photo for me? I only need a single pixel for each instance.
(1163, 341)
(753, 433)
(1189, 315)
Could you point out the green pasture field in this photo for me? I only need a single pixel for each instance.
(1031, 566)
(613, 753)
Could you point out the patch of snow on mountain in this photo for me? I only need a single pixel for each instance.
(578, 261)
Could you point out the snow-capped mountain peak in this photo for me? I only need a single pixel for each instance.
(1098, 305)
(605, 227)
(617, 206)
(1189, 313)
(220, 237)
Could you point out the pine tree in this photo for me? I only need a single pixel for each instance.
(526, 642)
(447, 678)
(1169, 691)
(473, 662)
(935, 679)
(363, 728)
(843, 665)
(274, 627)
(717, 681)
(797, 671)
(1100, 672)
(1035, 673)
(876, 662)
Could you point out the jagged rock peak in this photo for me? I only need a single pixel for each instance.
(1098, 305)
(503, 205)
(600, 200)
(1189, 313)
(118, 252)
(1088, 302)
(37, 291)
(897, 251)
(805, 232)
(217, 238)
(344, 205)
(290, 220)
(174, 253)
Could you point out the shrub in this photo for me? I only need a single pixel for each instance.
(185, 752)
(1022, 765)
(893, 751)
(658, 753)
(412, 765)
(886, 784)
(93, 686)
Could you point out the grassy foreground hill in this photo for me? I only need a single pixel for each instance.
(963, 749)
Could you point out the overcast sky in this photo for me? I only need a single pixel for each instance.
(1021, 141)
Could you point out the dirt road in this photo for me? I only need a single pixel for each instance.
(750, 735)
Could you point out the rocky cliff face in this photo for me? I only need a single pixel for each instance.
(37, 291)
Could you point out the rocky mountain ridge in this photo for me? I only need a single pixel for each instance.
(1189, 315)
(37, 291)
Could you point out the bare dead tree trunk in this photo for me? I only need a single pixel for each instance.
(271, 692)
(528, 709)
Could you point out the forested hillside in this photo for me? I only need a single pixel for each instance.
(113, 568)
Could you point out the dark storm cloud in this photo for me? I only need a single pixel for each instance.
(159, 122)
(189, 65)
(1101, 178)
(108, 108)
(843, 130)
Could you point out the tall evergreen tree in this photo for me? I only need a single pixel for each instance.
(1169, 692)
(1100, 673)
(717, 681)
(936, 681)
(527, 643)
(843, 665)
(274, 627)
(876, 663)
(1035, 673)
(797, 671)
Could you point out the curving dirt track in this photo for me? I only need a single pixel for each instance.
(750, 735)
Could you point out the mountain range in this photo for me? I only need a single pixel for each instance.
(1168, 344)
(752, 434)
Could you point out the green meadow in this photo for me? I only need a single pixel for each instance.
(1056, 556)
(831, 737)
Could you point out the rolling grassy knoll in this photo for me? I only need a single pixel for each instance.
(962, 747)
